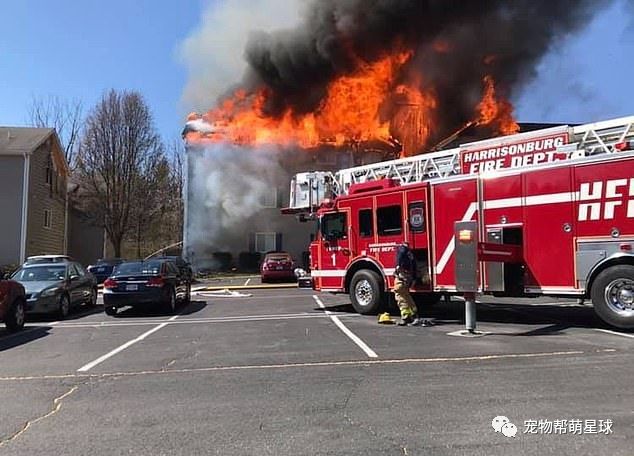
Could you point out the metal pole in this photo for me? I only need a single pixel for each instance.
(470, 312)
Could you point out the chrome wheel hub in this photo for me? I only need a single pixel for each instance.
(363, 292)
(619, 296)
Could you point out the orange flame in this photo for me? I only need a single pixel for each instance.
(496, 112)
(349, 112)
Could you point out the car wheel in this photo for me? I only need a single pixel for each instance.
(366, 291)
(111, 311)
(170, 302)
(613, 296)
(64, 307)
(16, 317)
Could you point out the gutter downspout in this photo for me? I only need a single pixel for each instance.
(25, 206)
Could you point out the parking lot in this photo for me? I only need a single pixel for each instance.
(286, 371)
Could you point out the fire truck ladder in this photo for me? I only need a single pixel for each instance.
(584, 141)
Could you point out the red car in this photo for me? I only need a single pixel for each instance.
(277, 266)
(12, 304)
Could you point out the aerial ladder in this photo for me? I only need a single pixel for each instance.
(310, 189)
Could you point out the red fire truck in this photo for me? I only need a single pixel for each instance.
(559, 203)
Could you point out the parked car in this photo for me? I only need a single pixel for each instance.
(56, 287)
(155, 282)
(103, 268)
(12, 304)
(277, 266)
(45, 259)
(183, 266)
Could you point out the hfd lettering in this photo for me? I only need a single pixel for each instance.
(605, 210)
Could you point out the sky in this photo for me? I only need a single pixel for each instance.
(79, 50)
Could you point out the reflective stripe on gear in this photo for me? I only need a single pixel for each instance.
(404, 298)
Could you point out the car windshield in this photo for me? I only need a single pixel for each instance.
(138, 267)
(40, 274)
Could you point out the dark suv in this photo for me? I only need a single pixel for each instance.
(12, 304)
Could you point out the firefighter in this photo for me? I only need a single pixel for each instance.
(404, 276)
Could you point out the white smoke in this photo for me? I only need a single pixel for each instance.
(214, 52)
(228, 185)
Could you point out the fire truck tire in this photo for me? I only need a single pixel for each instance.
(613, 296)
(366, 291)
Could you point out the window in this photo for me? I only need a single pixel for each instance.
(389, 220)
(417, 217)
(269, 199)
(333, 226)
(48, 218)
(365, 223)
(265, 242)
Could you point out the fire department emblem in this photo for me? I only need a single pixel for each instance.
(416, 219)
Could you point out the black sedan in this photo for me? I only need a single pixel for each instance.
(145, 284)
(103, 268)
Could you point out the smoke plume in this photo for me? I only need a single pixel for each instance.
(456, 45)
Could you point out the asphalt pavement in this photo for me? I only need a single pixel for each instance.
(285, 371)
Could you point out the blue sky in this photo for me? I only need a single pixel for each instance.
(74, 49)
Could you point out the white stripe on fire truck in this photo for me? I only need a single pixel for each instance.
(342, 272)
(553, 198)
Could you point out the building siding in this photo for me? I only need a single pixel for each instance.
(45, 196)
(11, 191)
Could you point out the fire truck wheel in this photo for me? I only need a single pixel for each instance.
(613, 296)
(366, 292)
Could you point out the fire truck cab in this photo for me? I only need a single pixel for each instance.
(555, 217)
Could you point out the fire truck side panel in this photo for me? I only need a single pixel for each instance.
(451, 202)
(549, 231)
(604, 215)
(503, 220)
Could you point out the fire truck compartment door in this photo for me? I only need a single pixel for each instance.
(494, 270)
(334, 253)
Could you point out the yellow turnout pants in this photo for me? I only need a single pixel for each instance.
(403, 297)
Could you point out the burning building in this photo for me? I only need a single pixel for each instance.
(358, 81)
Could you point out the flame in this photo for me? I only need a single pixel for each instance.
(350, 111)
(498, 113)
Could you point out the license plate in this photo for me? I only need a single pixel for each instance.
(101, 269)
(280, 268)
(132, 288)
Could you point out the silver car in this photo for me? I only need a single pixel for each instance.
(56, 287)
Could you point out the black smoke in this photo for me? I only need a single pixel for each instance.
(505, 39)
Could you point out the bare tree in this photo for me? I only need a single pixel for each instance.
(64, 116)
(118, 142)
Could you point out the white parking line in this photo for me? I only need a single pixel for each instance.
(616, 333)
(247, 282)
(368, 351)
(101, 359)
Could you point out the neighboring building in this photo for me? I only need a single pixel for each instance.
(33, 203)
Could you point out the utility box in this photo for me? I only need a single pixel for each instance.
(466, 239)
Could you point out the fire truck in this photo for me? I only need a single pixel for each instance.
(554, 211)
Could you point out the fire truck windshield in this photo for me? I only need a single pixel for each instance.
(333, 226)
